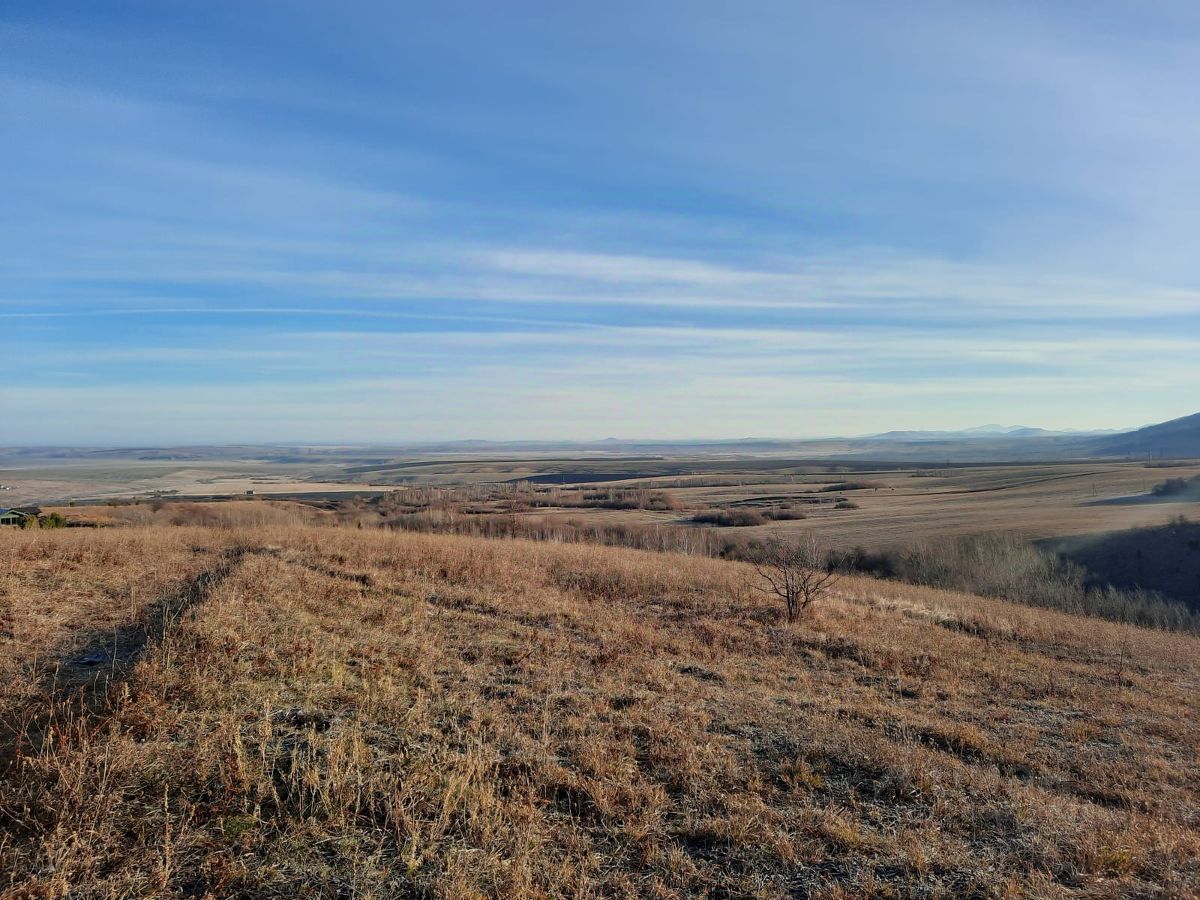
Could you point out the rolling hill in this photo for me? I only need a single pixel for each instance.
(1174, 439)
(1179, 438)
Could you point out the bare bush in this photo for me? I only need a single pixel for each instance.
(730, 518)
(787, 513)
(795, 572)
(1011, 567)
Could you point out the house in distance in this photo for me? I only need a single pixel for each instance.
(18, 518)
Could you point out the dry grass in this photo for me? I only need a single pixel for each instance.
(318, 711)
(1042, 501)
(223, 514)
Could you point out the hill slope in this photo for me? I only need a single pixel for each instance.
(1177, 438)
(301, 710)
(1162, 558)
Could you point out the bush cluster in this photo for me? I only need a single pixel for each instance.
(1174, 486)
(1010, 567)
(742, 518)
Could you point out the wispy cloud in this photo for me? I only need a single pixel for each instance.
(820, 218)
(864, 279)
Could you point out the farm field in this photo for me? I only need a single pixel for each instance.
(1036, 500)
(62, 481)
(900, 504)
(317, 710)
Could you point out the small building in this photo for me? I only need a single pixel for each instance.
(14, 517)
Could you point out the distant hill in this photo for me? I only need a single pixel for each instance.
(982, 443)
(994, 430)
(1177, 438)
(984, 431)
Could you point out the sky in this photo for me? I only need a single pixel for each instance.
(399, 222)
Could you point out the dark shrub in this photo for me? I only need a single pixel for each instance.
(783, 513)
(730, 518)
(1174, 486)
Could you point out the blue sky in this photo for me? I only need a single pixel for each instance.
(289, 221)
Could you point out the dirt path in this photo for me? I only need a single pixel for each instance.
(108, 656)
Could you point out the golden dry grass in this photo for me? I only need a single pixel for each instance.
(222, 514)
(925, 502)
(330, 712)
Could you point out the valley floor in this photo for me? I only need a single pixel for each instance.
(319, 711)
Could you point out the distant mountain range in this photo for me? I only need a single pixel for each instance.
(985, 431)
(1179, 438)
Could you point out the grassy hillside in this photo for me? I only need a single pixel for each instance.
(1164, 559)
(1177, 438)
(298, 710)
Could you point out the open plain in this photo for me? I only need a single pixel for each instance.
(882, 504)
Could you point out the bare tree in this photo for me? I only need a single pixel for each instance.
(796, 572)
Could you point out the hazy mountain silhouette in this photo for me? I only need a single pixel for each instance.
(1176, 438)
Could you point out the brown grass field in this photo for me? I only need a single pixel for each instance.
(915, 504)
(295, 710)
(923, 504)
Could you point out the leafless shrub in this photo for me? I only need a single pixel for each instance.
(664, 538)
(625, 499)
(787, 513)
(730, 518)
(1011, 567)
(795, 572)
